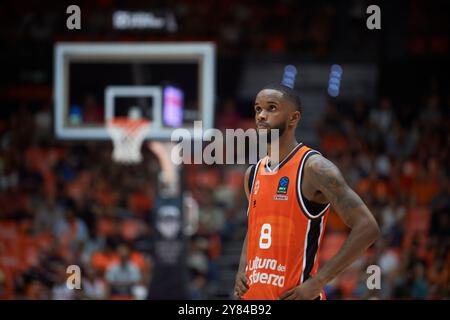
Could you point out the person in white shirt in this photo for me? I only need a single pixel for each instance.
(124, 275)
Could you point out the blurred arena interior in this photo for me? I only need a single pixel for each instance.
(66, 202)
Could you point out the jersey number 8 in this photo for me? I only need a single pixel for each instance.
(265, 240)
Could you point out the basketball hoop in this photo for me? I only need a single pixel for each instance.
(127, 135)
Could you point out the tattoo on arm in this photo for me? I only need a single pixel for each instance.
(328, 179)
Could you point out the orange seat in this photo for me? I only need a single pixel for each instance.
(105, 226)
(235, 179)
(139, 203)
(122, 297)
(347, 281)
(131, 228)
(332, 242)
(418, 220)
(9, 230)
(102, 261)
(138, 259)
(9, 276)
(335, 223)
(209, 178)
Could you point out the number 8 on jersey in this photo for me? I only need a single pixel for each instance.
(265, 240)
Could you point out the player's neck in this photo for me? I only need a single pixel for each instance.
(285, 146)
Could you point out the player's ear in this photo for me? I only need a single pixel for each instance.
(295, 118)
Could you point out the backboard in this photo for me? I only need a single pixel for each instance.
(172, 84)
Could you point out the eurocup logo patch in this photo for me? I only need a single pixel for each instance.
(283, 185)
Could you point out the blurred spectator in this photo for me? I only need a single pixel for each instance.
(71, 231)
(198, 286)
(440, 205)
(400, 142)
(93, 285)
(60, 290)
(211, 216)
(382, 116)
(431, 114)
(197, 259)
(123, 276)
(419, 286)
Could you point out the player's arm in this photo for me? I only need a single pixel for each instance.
(325, 177)
(168, 169)
(241, 286)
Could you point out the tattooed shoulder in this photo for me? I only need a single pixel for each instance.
(323, 172)
(327, 178)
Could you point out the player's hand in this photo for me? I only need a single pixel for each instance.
(308, 290)
(240, 285)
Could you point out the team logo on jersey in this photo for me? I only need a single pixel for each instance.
(256, 187)
(283, 185)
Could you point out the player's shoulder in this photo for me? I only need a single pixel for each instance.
(248, 178)
(249, 169)
(250, 173)
(318, 165)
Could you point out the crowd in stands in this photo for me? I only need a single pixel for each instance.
(67, 203)
(397, 160)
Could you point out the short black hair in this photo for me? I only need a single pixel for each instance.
(288, 93)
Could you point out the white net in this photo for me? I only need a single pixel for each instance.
(128, 135)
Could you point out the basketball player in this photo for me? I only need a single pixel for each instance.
(288, 206)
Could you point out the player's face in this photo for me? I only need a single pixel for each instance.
(271, 111)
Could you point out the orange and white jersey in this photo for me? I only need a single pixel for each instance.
(284, 228)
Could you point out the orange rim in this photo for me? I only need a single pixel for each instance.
(127, 124)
